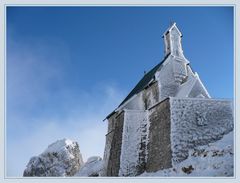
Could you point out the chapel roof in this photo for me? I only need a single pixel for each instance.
(144, 81)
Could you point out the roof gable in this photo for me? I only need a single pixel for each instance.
(144, 81)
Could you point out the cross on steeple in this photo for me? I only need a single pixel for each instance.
(171, 23)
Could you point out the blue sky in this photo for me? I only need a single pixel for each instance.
(68, 67)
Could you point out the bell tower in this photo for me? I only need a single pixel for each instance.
(172, 41)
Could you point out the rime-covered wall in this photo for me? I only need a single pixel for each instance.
(136, 103)
(166, 80)
(176, 79)
(133, 143)
(197, 122)
(198, 90)
(144, 99)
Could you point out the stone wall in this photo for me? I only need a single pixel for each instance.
(113, 164)
(159, 154)
(109, 138)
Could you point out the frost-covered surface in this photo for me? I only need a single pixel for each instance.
(179, 70)
(150, 96)
(144, 99)
(176, 79)
(61, 158)
(186, 87)
(135, 103)
(133, 142)
(197, 122)
(176, 41)
(172, 40)
(214, 159)
(60, 145)
(198, 89)
(166, 80)
(92, 168)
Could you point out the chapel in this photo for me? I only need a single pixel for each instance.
(168, 112)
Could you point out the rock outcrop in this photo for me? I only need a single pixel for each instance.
(92, 168)
(61, 158)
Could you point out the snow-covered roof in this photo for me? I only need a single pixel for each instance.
(144, 81)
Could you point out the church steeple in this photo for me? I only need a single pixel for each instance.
(172, 40)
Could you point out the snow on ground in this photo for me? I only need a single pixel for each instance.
(214, 159)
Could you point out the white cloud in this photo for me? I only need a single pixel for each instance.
(88, 130)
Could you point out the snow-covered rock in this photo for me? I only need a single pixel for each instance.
(92, 168)
(61, 158)
(214, 159)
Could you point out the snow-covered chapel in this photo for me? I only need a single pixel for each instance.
(165, 115)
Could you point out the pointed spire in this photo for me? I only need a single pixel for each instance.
(172, 39)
